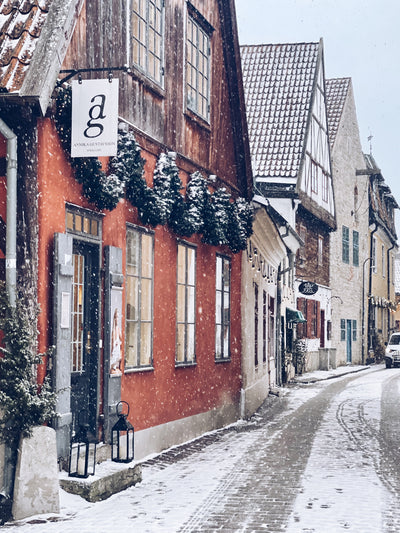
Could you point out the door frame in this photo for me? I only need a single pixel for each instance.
(94, 380)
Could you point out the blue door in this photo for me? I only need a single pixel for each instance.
(348, 337)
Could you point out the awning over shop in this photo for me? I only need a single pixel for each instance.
(293, 315)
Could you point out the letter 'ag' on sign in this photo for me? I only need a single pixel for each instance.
(94, 118)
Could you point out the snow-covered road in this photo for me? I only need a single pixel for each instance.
(324, 463)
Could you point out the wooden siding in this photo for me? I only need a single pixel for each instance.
(99, 41)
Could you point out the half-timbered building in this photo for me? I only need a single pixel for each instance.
(288, 131)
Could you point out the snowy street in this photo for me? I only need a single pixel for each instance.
(322, 457)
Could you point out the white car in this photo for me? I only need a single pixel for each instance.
(392, 352)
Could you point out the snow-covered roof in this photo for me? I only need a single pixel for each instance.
(34, 35)
(278, 82)
(336, 91)
(20, 27)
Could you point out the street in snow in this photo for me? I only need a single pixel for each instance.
(323, 457)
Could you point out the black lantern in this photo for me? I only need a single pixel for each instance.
(122, 437)
(82, 455)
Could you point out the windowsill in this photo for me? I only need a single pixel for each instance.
(138, 369)
(194, 117)
(222, 360)
(140, 76)
(185, 364)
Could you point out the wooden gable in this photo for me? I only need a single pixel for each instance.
(314, 183)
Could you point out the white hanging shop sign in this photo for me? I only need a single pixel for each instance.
(94, 118)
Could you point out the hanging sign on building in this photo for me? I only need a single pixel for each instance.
(94, 118)
(308, 287)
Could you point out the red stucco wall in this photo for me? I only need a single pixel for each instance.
(166, 393)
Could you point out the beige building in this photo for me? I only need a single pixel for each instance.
(383, 250)
(350, 243)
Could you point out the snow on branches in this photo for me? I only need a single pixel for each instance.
(220, 219)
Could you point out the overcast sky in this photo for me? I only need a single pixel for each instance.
(361, 41)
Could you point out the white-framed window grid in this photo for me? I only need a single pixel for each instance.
(222, 308)
(146, 37)
(186, 305)
(139, 298)
(198, 53)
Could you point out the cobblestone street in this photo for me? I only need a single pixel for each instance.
(322, 457)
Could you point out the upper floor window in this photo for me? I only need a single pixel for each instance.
(356, 248)
(186, 304)
(320, 255)
(373, 255)
(222, 308)
(303, 237)
(345, 244)
(383, 261)
(139, 298)
(197, 68)
(147, 35)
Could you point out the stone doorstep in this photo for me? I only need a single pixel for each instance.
(110, 478)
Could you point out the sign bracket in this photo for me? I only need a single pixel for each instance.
(71, 73)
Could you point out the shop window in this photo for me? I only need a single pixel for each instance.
(186, 305)
(222, 308)
(139, 298)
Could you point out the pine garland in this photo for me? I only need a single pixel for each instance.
(220, 220)
(23, 406)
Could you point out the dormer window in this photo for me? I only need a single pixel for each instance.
(147, 37)
(198, 64)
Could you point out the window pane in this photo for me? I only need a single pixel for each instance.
(191, 257)
(146, 298)
(191, 305)
(181, 308)
(190, 342)
(147, 256)
(180, 348)
(181, 264)
(145, 344)
(131, 343)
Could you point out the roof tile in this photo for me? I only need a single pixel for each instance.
(21, 22)
(278, 82)
(336, 91)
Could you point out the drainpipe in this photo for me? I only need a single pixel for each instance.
(369, 318)
(388, 265)
(11, 242)
(11, 285)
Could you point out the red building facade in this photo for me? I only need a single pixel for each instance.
(141, 309)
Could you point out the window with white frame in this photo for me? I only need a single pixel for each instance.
(222, 308)
(139, 298)
(186, 304)
(147, 36)
(197, 68)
